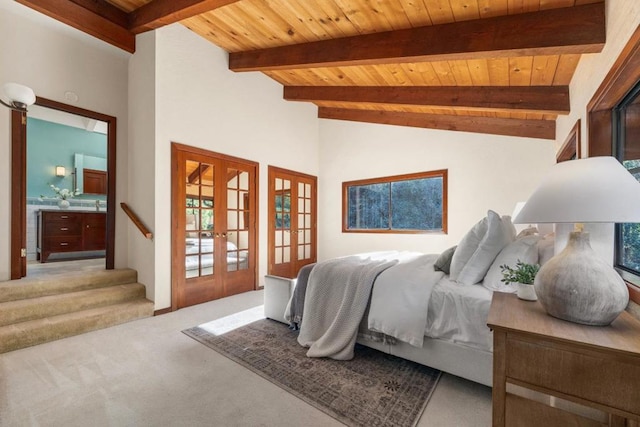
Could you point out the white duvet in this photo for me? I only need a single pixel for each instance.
(411, 300)
(400, 298)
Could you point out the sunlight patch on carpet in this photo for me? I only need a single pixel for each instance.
(233, 321)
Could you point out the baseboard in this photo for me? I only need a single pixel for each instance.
(162, 311)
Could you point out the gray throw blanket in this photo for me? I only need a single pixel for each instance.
(336, 298)
(295, 309)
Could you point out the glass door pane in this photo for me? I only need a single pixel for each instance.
(305, 225)
(282, 221)
(199, 222)
(238, 211)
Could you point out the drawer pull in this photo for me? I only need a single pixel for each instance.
(64, 216)
(64, 244)
(64, 229)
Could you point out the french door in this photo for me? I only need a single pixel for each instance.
(292, 221)
(214, 225)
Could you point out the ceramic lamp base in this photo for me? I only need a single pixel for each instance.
(576, 285)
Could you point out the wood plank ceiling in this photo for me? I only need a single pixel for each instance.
(490, 66)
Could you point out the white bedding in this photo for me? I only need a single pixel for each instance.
(431, 304)
(458, 313)
(408, 285)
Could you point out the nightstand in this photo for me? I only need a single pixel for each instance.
(550, 372)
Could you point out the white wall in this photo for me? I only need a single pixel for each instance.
(51, 62)
(484, 172)
(141, 155)
(199, 102)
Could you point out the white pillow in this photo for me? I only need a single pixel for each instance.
(529, 231)
(467, 247)
(524, 249)
(509, 227)
(546, 248)
(496, 238)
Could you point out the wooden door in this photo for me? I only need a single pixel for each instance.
(292, 221)
(214, 226)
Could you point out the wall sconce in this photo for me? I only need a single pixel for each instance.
(61, 171)
(19, 96)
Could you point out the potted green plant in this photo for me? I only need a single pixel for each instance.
(522, 275)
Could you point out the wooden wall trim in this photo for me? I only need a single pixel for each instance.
(111, 167)
(622, 77)
(572, 144)
(201, 151)
(18, 195)
(634, 293)
(624, 73)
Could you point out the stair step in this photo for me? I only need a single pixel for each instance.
(53, 305)
(68, 282)
(33, 332)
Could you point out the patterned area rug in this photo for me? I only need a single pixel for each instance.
(373, 389)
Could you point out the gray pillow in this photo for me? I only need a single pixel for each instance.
(443, 263)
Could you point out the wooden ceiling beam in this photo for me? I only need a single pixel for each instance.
(106, 10)
(570, 30)
(543, 129)
(97, 20)
(159, 13)
(528, 99)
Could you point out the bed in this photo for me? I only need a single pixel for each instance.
(449, 303)
(203, 264)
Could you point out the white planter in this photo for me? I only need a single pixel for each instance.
(527, 292)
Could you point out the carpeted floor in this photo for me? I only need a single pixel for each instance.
(373, 389)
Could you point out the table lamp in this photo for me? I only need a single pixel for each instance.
(576, 284)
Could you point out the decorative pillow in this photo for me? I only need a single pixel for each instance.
(443, 263)
(478, 248)
(467, 247)
(496, 238)
(509, 228)
(529, 231)
(524, 249)
(546, 248)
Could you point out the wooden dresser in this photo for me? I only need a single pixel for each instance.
(549, 372)
(70, 231)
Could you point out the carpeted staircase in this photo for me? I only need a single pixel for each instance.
(38, 310)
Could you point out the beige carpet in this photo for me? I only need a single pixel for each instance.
(148, 373)
(372, 389)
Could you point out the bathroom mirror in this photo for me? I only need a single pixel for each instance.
(90, 174)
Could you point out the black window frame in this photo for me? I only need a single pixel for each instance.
(618, 140)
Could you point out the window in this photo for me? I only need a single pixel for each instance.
(626, 148)
(412, 203)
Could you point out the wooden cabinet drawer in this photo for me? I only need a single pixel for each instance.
(63, 228)
(63, 244)
(593, 376)
(63, 216)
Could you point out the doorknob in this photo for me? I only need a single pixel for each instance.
(224, 234)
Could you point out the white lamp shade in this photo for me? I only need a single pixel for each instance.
(61, 171)
(596, 189)
(18, 93)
